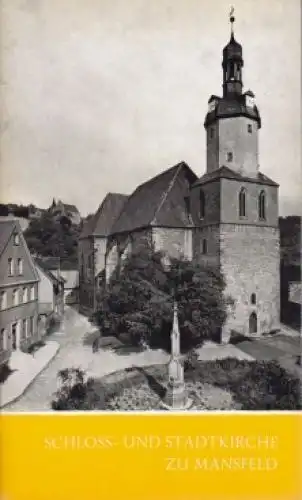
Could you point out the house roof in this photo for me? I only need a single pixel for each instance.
(158, 202)
(39, 263)
(226, 173)
(100, 224)
(6, 229)
(55, 263)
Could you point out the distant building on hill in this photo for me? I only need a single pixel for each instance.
(59, 209)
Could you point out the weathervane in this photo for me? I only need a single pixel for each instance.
(232, 20)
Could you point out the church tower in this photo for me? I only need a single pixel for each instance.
(235, 206)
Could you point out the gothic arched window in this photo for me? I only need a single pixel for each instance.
(253, 299)
(242, 203)
(202, 204)
(261, 206)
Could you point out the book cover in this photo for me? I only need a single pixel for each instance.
(150, 250)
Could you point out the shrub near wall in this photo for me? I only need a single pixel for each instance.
(254, 385)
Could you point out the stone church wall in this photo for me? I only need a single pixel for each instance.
(174, 242)
(249, 259)
(211, 235)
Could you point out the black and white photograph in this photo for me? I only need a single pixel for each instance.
(150, 216)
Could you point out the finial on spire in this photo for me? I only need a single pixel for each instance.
(232, 20)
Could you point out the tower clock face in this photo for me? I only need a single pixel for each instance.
(250, 101)
(212, 106)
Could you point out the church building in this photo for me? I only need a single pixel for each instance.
(227, 218)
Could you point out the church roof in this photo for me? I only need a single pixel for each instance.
(101, 222)
(233, 49)
(226, 173)
(158, 202)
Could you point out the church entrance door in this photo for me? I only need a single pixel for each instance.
(253, 323)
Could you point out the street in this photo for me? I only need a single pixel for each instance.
(72, 353)
(76, 352)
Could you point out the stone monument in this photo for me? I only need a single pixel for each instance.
(176, 398)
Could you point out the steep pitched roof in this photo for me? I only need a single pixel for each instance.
(41, 265)
(226, 173)
(158, 202)
(6, 229)
(101, 222)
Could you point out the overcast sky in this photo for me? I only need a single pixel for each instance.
(100, 95)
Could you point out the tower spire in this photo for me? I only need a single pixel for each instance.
(232, 64)
(232, 20)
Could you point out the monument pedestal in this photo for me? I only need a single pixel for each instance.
(176, 398)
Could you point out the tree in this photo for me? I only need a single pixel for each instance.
(138, 301)
(48, 237)
(76, 391)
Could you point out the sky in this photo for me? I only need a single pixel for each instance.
(98, 96)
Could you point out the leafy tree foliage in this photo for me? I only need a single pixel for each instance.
(138, 302)
(48, 237)
(76, 391)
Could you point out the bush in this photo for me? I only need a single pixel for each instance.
(76, 391)
(191, 360)
(254, 386)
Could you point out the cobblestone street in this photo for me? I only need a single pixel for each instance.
(75, 352)
(72, 352)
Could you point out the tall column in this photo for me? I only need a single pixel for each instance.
(176, 396)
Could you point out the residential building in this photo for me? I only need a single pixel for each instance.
(19, 283)
(92, 249)
(51, 296)
(66, 271)
(71, 286)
